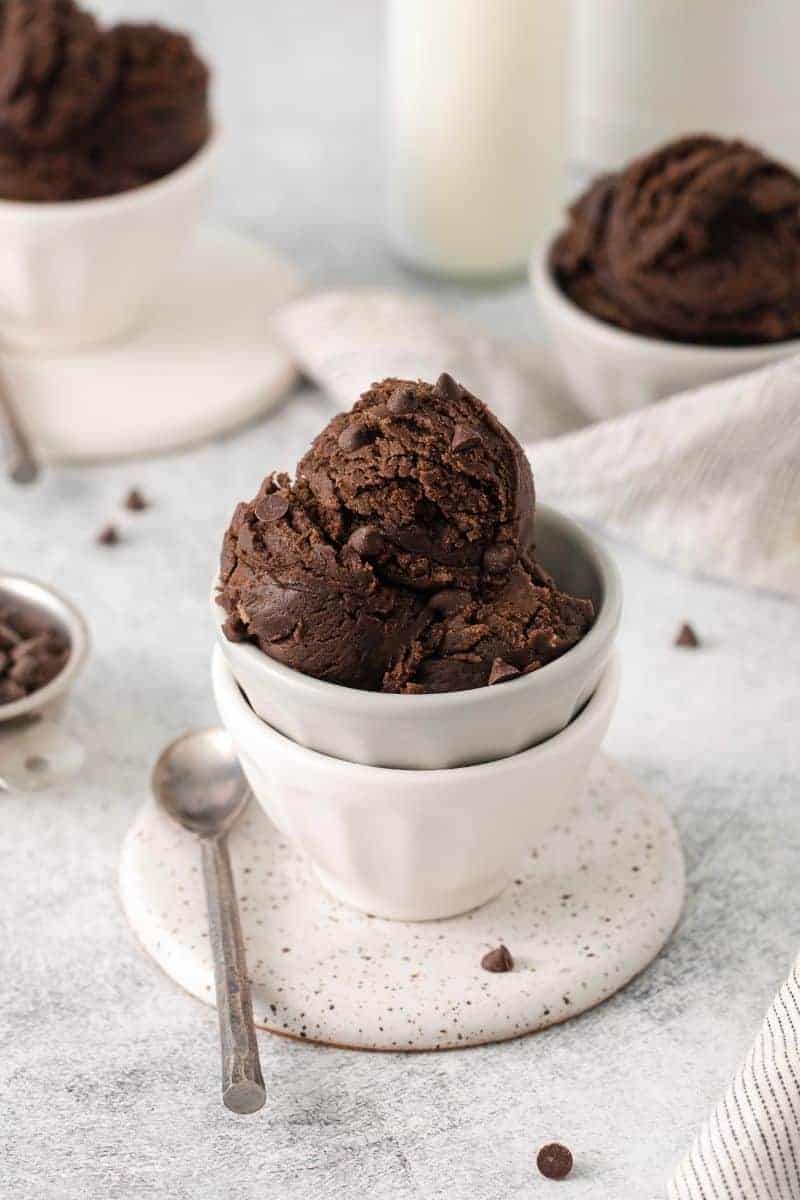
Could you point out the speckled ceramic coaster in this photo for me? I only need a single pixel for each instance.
(203, 364)
(590, 908)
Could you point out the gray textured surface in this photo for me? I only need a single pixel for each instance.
(109, 1073)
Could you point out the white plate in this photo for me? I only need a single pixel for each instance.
(203, 364)
(591, 907)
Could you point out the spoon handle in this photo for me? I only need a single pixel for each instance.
(242, 1082)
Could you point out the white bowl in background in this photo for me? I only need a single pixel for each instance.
(81, 272)
(611, 371)
(452, 729)
(413, 845)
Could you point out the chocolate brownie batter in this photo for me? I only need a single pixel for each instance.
(698, 241)
(161, 101)
(401, 557)
(90, 112)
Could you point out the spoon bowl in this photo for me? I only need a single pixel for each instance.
(197, 780)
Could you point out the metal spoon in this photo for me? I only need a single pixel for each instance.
(199, 783)
(22, 466)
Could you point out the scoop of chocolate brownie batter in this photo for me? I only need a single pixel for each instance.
(430, 472)
(698, 241)
(401, 558)
(57, 68)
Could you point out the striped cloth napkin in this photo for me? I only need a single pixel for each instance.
(749, 1149)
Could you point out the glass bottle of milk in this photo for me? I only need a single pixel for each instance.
(645, 71)
(476, 114)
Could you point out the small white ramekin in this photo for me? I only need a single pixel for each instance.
(453, 729)
(49, 700)
(611, 371)
(82, 272)
(413, 845)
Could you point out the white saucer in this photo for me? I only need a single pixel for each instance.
(203, 364)
(590, 908)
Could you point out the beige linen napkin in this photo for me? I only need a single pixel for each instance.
(709, 480)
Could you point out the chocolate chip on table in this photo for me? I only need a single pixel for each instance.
(403, 400)
(108, 536)
(367, 541)
(135, 501)
(554, 1161)
(271, 508)
(686, 636)
(498, 960)
(464, 438)
(498, 558)
(354, 436)
(502, 671)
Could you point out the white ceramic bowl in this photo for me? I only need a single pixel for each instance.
(49, 700)
(413, 845)
(610, 371)
(82, 272)
(457, 728)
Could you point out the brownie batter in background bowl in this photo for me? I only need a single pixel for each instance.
(679, 270)
(105, 153)
(86, 111)
(698, 241)
(396, 582)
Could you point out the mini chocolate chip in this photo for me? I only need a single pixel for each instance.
(447, 387)
(135, 501)
(10, 691)
(234, 629)
(464, 438)
(403, 400)
(108, 536)
(8, 636)
(32, 645)
(554, 1161)
(448, 600)
(271, 508)
(353, 436)
(276, 628)
(25, 670)
(501, 671)
(366, 541)
(686, 636)
(498, 960)
(498, 558)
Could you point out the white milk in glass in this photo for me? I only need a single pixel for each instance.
(476, 114)
(645, 71)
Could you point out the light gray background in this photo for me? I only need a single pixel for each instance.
(109, 1073)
